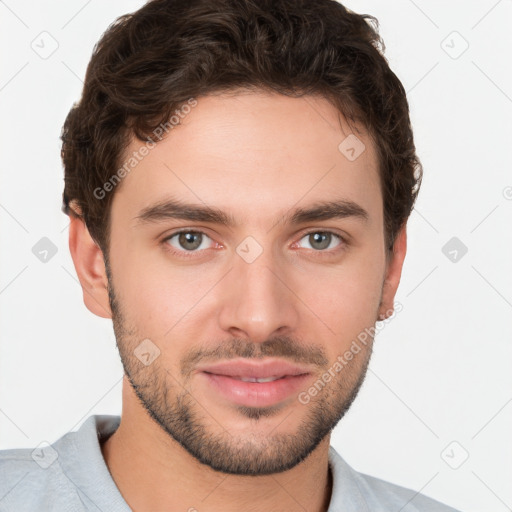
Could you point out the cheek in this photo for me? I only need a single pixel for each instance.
(348, 298)
(155, 296)
(140, 287)
(347, 302)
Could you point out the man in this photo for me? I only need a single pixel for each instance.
(238, 176)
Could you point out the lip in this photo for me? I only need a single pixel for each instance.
(255, 394)
(223, 379)
(261, 369)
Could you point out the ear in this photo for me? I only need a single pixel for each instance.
(90, 267)
(393, 274)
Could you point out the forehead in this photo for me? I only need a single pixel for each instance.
(255, 151)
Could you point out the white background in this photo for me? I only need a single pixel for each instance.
(441, 369)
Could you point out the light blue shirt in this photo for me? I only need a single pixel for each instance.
(70, 475)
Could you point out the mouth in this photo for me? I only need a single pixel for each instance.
(244, 369)
(256, 379)
(253, 384)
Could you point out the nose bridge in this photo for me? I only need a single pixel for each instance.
(258, 301)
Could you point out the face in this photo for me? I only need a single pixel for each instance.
(247, 236)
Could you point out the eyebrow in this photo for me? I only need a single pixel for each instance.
(322, 210)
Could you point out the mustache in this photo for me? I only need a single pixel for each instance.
(280, 346)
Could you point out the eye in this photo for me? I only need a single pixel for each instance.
(188, 241)
(322, 240)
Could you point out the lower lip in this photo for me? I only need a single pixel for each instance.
(256, 394)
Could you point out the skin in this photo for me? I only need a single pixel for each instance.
(255, 156)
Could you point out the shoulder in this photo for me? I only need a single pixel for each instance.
(411, 500)
(374, 494)
(68, 475)
(32, 479)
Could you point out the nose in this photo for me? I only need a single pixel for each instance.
(258, 301)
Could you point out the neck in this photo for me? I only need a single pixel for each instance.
(154, 472)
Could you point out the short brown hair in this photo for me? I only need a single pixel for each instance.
(150, 62)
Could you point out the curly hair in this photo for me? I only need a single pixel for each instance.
(150, 62)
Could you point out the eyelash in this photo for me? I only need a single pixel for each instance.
(193, 254)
